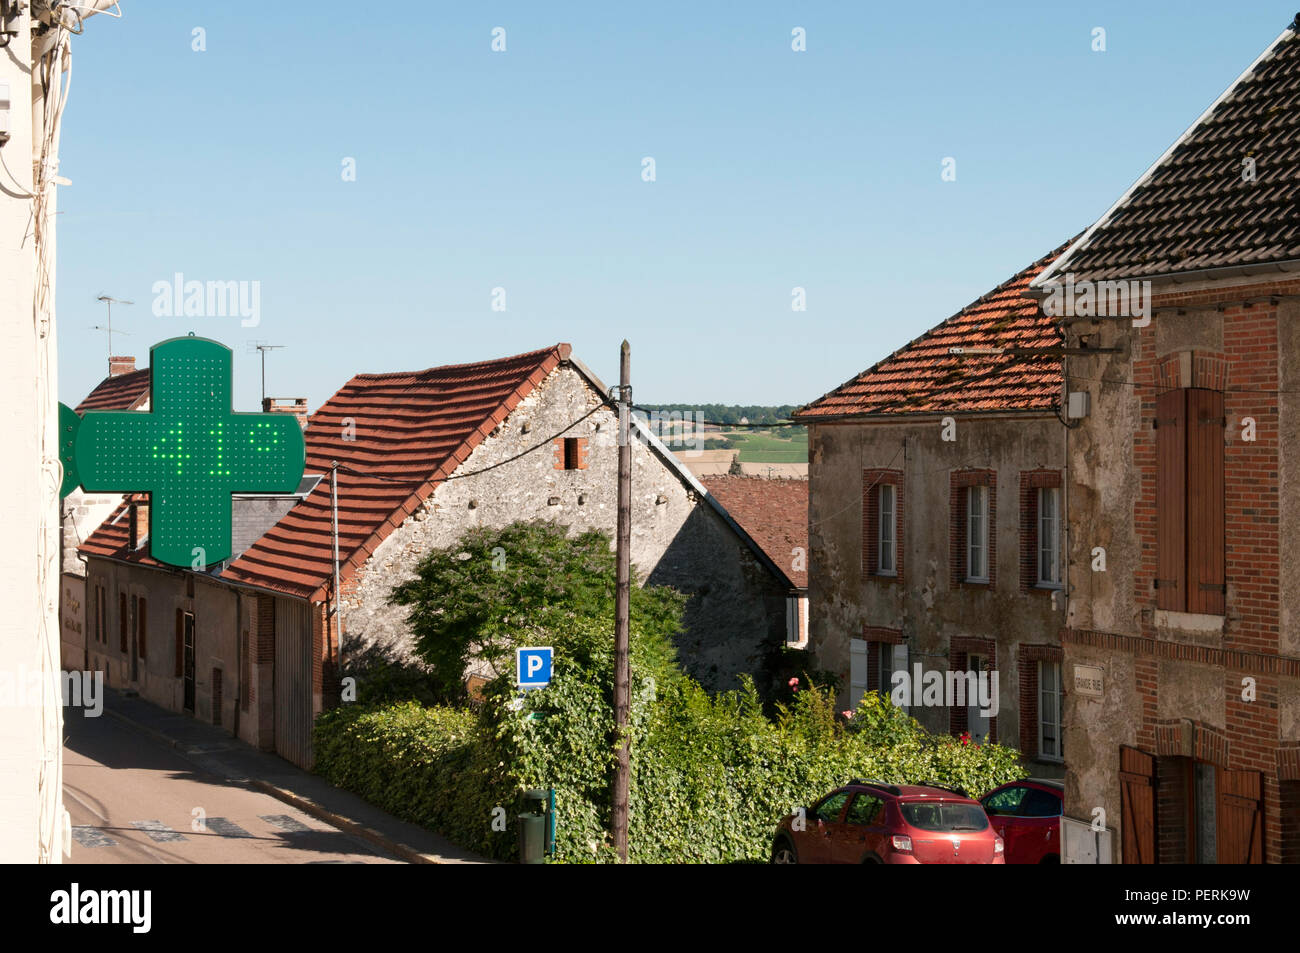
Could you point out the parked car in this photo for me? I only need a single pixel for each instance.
(870, 822)
(1027, 815)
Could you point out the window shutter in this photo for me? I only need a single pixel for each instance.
(869, 522)
(1137, 786)
(1171, 502)
(121, 620)
(1239, 838)
(1205, 576)
(142, 625)
(180, 643)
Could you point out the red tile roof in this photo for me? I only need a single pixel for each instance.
(119, 392)
(923, 377)
(113, 536)
(412, 430)
(773, 512)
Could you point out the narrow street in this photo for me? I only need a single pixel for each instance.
(135, 800)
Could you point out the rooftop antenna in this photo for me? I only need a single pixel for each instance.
(262, 347)
(110, 301)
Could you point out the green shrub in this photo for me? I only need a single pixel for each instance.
(711, 776)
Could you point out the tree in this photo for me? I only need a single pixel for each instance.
(526, 583)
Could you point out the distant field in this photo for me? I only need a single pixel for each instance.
(760, 446)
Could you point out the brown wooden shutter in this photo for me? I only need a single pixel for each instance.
(142, 625)
(121, 619)
(1137, 798)
(180, 643)
(1205, 577)
(1171, 500)
(1240, 834)
(870, 518)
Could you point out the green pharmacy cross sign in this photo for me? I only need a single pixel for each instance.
(189, 452)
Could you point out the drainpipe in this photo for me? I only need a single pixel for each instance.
(239, 657)
(338, 606)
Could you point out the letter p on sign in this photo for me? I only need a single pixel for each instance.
(533, 667)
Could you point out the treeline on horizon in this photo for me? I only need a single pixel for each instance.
(730, 413)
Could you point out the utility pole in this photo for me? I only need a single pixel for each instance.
(622, 595)
(110, 301)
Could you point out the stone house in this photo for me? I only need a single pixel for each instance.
(1182, 648)
(421, 458)
(936, 525)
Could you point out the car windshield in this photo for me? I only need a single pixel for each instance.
(944, 816)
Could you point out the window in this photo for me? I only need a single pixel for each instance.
(1189, 501)
(893, 658)
(977, 534)
(886, 562)
(1006, 801)
(101, 624)
(863, 811)
(1050, 744)
(882, 524)
(1204, 813)
(829, 810)
(945, 816)
(1039, 803)
(121, 620)
(571, 453)
(1049, 536)
(857, 672)
(141, 625)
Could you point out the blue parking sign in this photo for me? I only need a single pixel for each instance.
(533, 667)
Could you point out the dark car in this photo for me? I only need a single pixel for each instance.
(870, 822)
(1027, 815)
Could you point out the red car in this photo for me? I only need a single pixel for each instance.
(1027, 814)
(870, 822)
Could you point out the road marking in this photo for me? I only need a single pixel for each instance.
(285, 823)
(91, 837)
(158, 831)
(226, 828)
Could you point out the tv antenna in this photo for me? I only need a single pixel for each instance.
(110, 301)
(262, 347)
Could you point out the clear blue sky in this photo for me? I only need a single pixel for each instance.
(522, 170)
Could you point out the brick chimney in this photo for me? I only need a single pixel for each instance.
(120, 365)
(287, 405)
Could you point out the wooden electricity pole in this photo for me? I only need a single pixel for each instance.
(622, 595)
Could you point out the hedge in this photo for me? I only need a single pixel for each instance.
(711, 775)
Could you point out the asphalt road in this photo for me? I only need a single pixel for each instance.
(134, 800)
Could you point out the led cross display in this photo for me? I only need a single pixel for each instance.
(189, 452)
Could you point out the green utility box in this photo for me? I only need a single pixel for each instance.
(537, 826)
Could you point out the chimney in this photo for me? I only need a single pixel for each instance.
(120, 365)
(287, 405)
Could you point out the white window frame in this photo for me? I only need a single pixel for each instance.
(977, 533)
(1050, 702)
(886, 538)
(1049, 538)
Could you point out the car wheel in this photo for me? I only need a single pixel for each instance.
(783, 852)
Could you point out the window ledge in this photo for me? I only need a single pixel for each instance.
(1192, 623)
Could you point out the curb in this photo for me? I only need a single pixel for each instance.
(305, 804)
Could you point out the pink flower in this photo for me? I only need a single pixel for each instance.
(847, 714)
(793, 683)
